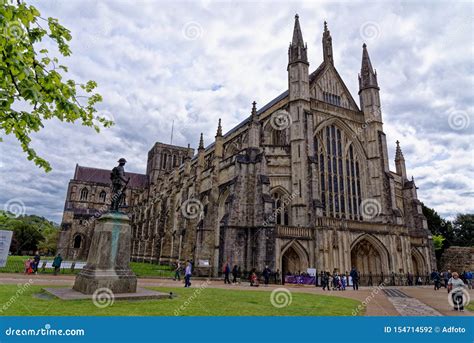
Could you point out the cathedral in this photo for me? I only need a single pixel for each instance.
(303, 182)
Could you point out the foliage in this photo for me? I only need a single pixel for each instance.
(438, 241)
(25, 237)
(464, 230)
(32, 88)
(30, 232)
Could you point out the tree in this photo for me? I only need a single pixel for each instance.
(438, 242)
(49, 245)
(25, 238)
(32, 88)
(464, 230)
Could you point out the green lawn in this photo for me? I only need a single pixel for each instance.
(470, 307)
(189, 302)
(15, 264)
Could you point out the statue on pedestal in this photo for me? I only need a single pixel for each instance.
(119, 185)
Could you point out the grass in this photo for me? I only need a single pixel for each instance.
(15, 264)
(470, 307)
(189, 302)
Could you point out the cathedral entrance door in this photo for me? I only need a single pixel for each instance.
(291, 262)
(366, 258)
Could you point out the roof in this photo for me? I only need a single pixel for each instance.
(88, 174)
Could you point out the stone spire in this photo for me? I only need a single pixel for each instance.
(254, 128)
(201, 143)
(254, 115)
(398, 152)
(400, 162)
(367, 76)
(297, 52)
(219, 129)
(327, 45)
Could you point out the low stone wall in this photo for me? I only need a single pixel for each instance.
(457, 259)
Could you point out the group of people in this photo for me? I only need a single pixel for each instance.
(339, 282)
(441, 279)
(188, 272)
(32, 264)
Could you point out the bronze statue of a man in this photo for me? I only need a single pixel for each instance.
(119, 184)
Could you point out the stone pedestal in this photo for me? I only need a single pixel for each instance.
(109, 256)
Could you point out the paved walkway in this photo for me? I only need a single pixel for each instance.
(388, 301)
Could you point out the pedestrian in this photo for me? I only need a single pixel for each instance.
(446, 277)
(277, 277)
(187, 274)
(57, 263)
(253, 280)
(436, 279)
(266, 275)
(235, 271)
(343, 282)
(355, 278)
(469, 279)
(36, 259)
(27, 265)
(177, 271)
(226, 273)
(455, 288)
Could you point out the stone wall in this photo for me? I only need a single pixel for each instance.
(458, 259)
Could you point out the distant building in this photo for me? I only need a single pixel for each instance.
(88, 196)
(303, 182)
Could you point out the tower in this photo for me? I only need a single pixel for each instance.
(298, 105)
(376, 143)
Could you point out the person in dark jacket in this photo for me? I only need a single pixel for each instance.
(235, 272)
(436, 279)
(355, 278)
(57, 263)
(266, 275)
(226, 273)
(37, 259)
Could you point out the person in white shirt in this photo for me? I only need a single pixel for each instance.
(455, 287)
(187, 275)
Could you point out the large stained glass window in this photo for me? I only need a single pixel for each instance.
(339, 174)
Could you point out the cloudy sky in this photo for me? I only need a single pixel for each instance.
(159, 61)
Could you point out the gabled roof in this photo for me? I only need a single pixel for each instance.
(88, 174)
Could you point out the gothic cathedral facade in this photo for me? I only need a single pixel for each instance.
(303, 182)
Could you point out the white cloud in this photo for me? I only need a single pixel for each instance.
(149, 73)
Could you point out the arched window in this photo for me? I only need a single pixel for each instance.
(280, 208)
(163, 164)
(102, 196)
(84, 194)
(77, 241)
(339, 174)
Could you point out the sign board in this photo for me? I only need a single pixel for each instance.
(203, 263)
(311, 271)
(5, 241)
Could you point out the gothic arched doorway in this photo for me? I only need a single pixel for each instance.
(367, 258)
(417, 263)
(294, 259)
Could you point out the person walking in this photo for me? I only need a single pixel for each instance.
(266, 275)
(235, 271)
(177, 271)
(226, 273)
(355, 278)
(446, 277)
(57, 263)
(187, 275)
(436, 279)
(469, 277)
(36, 260)
(455, 288)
